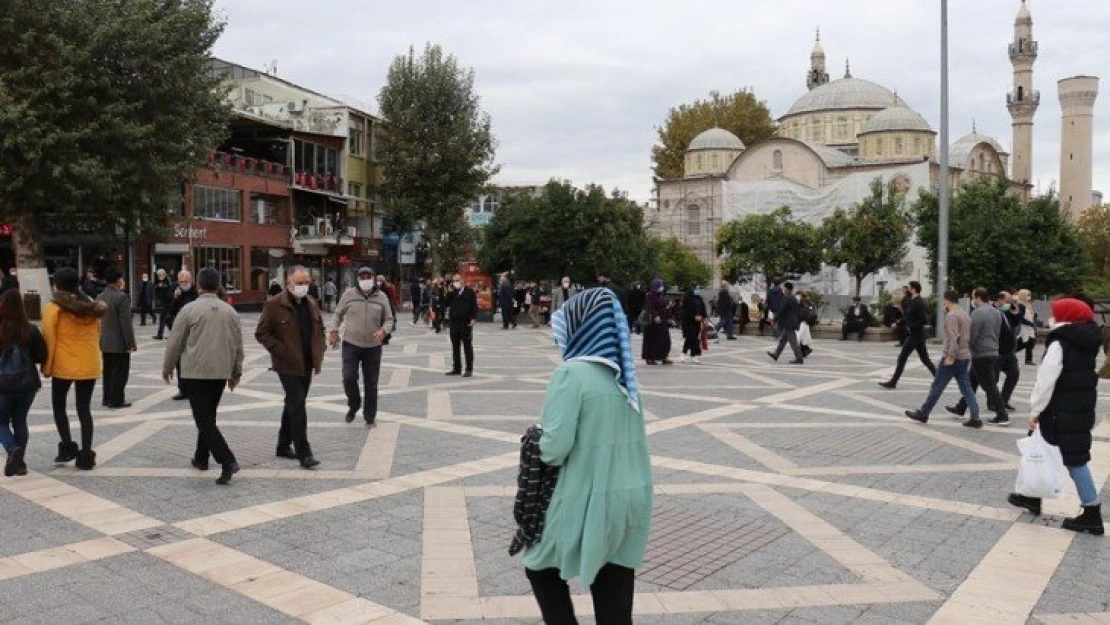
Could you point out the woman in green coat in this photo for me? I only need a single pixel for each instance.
(597, 523)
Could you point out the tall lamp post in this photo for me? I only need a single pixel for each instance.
(942, 210)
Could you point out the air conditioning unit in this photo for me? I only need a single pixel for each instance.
(328, 230)
(321, 225)
(295, 107)
(352, 231)
(308, 231)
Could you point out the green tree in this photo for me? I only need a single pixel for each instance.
(997, 241)
(1094, 231)
(872, 234)
(104, 108)
(566, 231)
(438, 148)
(677, 264)
(740, 113)
(773, 245)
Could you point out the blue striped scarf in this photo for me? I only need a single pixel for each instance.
(592, 326)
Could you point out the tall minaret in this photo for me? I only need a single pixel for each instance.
(1077, 105)
(1023, 100)
(817, 76)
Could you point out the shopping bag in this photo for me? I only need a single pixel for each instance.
(1041, 473)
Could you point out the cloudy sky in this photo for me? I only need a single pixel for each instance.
(577, 88)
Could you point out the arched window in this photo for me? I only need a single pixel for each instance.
(898, 146)
(1021, 93)
(917, 146)
(701, 161)
(776, 160)
(841, 127)
(716, 159)
(879, 146)
(982, 162)
(693, 219)
(817, 130)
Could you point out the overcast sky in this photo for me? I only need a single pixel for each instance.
(576, 88)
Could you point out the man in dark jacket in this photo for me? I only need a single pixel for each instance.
(915, 320)
(636, 298)
(787, 320)
(146, 300)
(855, 320)
(506, 296)
(117, 339)
(416, 294)
(726, 310)
(462, 309)
(163, 292)
(291, 328)
(183, 294)
(772, 305)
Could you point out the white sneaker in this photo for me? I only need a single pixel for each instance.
(697, 360)
(683, 359)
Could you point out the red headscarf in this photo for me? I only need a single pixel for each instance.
(1071, 310)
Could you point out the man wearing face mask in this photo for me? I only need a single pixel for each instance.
(146, 300)
(462, 306)
(184, 294)
(560, 294)
(291, 328)
(363, 313)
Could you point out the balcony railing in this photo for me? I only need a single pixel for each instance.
(1030, 98)
(248, 165)
(318, 182)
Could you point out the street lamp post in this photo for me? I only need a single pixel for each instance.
(942, 211)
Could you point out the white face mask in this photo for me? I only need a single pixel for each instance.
(458, 285)
(300, 291)
(366, 285)
(186, 286)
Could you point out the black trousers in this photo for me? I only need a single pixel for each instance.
(462, 338)
(1028, 347)
(789, 335)
(612, 592)
(162, 320)
(1006, 365)
(508, 316)
(915, 342)
(691, 342)
(984, 373)
(294, 416)
(204, 399)
(117, 368)
(848, 327)
(370, 359)
(59, 392)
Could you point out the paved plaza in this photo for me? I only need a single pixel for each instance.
(784, 494)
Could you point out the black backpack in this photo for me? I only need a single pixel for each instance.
(16, 371)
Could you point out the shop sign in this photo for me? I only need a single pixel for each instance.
(188, 232)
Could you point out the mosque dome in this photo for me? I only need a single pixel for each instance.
(716, 139)
(897, 118)
(974, 138)
(846, 94)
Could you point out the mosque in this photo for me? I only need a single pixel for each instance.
(842, 134)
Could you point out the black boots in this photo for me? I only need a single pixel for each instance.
(229, 469)
(1089, 521)
(66, 452)
(86, 459)
(15, 464)
(1032, 504)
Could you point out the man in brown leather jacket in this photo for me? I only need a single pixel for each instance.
(292, 330)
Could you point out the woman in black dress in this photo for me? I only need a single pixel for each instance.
(657, 333)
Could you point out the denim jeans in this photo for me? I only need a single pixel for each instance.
(1085, 484)
(13, 419)
(945, 373)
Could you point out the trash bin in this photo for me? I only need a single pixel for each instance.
(32, 305)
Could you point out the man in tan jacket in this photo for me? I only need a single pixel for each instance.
(956, 363)
(292, 330)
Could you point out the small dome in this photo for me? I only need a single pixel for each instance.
(716, 139)
(896, 118)
(974, 138)
(844, 94)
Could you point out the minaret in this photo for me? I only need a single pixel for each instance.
(1077, 104)
(817, 75)
(1023, 100)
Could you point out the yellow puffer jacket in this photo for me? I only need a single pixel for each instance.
(71, 327)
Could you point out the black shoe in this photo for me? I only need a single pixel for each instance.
(14, 459)
(66, 452)
(157, 337)
(125, 404)
(86, 460)
(844, 338)
(1010, 408)
(179, 397)
(350, 415)
(308, 462)
(797, 361)
(1089, 521)
(370, 423)
(917, 416)
(468, 374)
(453, 373)
(1002, 422)
(773, 356)
(286, 452)
(974, 424)
(228, 470)
(890, 384)
(954, 410)
(1032, 504)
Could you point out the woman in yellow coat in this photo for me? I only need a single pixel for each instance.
(71, 327)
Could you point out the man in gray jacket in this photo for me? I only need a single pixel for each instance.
(986, 326)
(364, 313)
(207, 341)
(955, 363)
(117, 339)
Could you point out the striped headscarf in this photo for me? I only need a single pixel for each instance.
(592, 326)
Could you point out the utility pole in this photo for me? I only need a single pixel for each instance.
(942, 212)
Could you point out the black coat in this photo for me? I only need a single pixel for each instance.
(787, 316)
(146, 296)
(863, 317)
(179, 302)
(725, 305)
(693, 306)
(505, 294)
(1067, 420)
(462, 307)
(916, 316)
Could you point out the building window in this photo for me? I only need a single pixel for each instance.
(248, 97)
(776, 159)
(226, 260)
(354, 189)
(701, 161)
(311, 158)
(917, 145)
(218, 204)
(898, 146)
(879, 147)
(693, 219)
(268, 210)
(817, 130)
(1021, 93)
(842, 128)
(716, 161)
(356, 136)
(982, 162)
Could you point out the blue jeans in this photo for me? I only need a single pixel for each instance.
(1085, 484)
(961, 371)
(13, 419)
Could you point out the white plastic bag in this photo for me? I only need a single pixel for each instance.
(804, 337)
(1041, 473)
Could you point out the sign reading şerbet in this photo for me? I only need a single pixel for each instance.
(188, 232)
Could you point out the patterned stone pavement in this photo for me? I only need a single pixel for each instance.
(784, 495)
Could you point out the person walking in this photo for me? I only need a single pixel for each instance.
(207, 344)
(1063, 406)
(1027, 337)
(146, 300)
(71, 328)
(807, 318)
(787, 320)
(1007, 355)
(914, 320)
(856, 319)
(416, 293)
(562, 293)
(693, 318)
(292, 330)
(330, 293)
(774, 301)
(182, 295)
(163, 293)
(636, 299)
(21, 349)
(363, 315)
(506, 300)
(893, 318)
(956, 363)
(986, 327)
(117, 339)
(597, 524)
(657, 334)
(439, 303)
(462, 310)
(726, 311)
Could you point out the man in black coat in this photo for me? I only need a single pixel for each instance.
(726, 311)
(855, 320)
(184, 294)
(146, 300)
(787, 319)
(163, 292)
(636, 299)
(506, 300)
(462, 310)
(914, 320)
